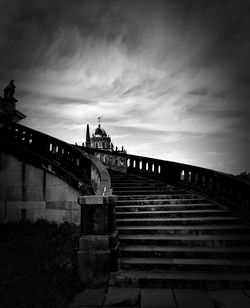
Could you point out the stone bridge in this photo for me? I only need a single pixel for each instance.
(144, 221)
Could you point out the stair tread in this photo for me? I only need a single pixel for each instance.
(172, 212)
(154, 200)
(172, 193)
(156, 274)
(186, 237)
(160, 227)
(178, 219)
(133, 260)
(144, 189)
(184, 249)
(164, 205)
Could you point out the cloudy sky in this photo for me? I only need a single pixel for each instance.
(170, 79)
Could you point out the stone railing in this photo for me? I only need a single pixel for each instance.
(98, 244)
(222, 187)
(79, 169)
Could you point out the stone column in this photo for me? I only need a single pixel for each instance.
(98, 244)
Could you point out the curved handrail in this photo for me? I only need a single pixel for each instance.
(104, 182)
(74, 166)
(226, 188)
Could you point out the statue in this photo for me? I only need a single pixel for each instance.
(9, 91)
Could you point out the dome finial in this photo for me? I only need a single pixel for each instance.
(99, 121)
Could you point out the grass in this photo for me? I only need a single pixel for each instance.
(38, 264)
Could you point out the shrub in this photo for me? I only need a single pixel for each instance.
(38, 264)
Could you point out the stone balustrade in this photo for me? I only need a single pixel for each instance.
(222, 187)
(82, 171)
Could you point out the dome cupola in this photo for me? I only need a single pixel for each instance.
(100, 132)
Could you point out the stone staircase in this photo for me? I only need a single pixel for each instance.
(170, 237)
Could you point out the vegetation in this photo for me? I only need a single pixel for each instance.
(38, 264)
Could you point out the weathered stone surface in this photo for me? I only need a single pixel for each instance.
(90, 298)
(94, 267)
(93, 200)
(157, 298)
(122, 297)
(192, 299)
(93, 242)
(38, 192)
(229, 299)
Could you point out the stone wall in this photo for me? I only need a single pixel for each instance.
(27, 192)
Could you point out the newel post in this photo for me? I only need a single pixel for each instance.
(98, 244)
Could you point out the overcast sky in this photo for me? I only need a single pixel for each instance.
(170, 79)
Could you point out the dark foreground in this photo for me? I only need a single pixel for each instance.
(161, 298)
(38, 264)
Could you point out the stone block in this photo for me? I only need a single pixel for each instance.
(97, 199)
(33, 192)
(93, 200)
(14, 193)
(122, 297)
(60, 191)
(94, 267)
(229, 299)
(192, 299)
(93, 242)
(157, 298)
(33, 176)
(94, 259)
(90, 298)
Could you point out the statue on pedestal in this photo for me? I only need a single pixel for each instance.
(8, 105)
(9, 91)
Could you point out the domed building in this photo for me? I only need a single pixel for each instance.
(100, 139)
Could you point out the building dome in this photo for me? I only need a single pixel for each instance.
(99, 131)
(100, 140)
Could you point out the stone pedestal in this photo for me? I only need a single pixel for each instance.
(94, 259)
(98, 244)
(8, 110)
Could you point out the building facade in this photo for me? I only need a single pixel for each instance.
(100, 140)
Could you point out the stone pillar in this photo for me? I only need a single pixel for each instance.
(98, 244)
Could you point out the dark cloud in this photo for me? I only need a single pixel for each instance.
(155, 66)
(206, 110)
(198, 92)
(221, 94)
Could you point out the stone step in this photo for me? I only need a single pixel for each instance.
(171, 195)
(138, 189)
(136, 181)
(186, 240)
(173, 238)
(131, 177)
(117, 174)
(144, 192)
(165, 207)
(137, 184)
(147, 251)
(172, 214)
(163, 201)
(177, 221)
(184, 230)
(169, 279)
(185, 264)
